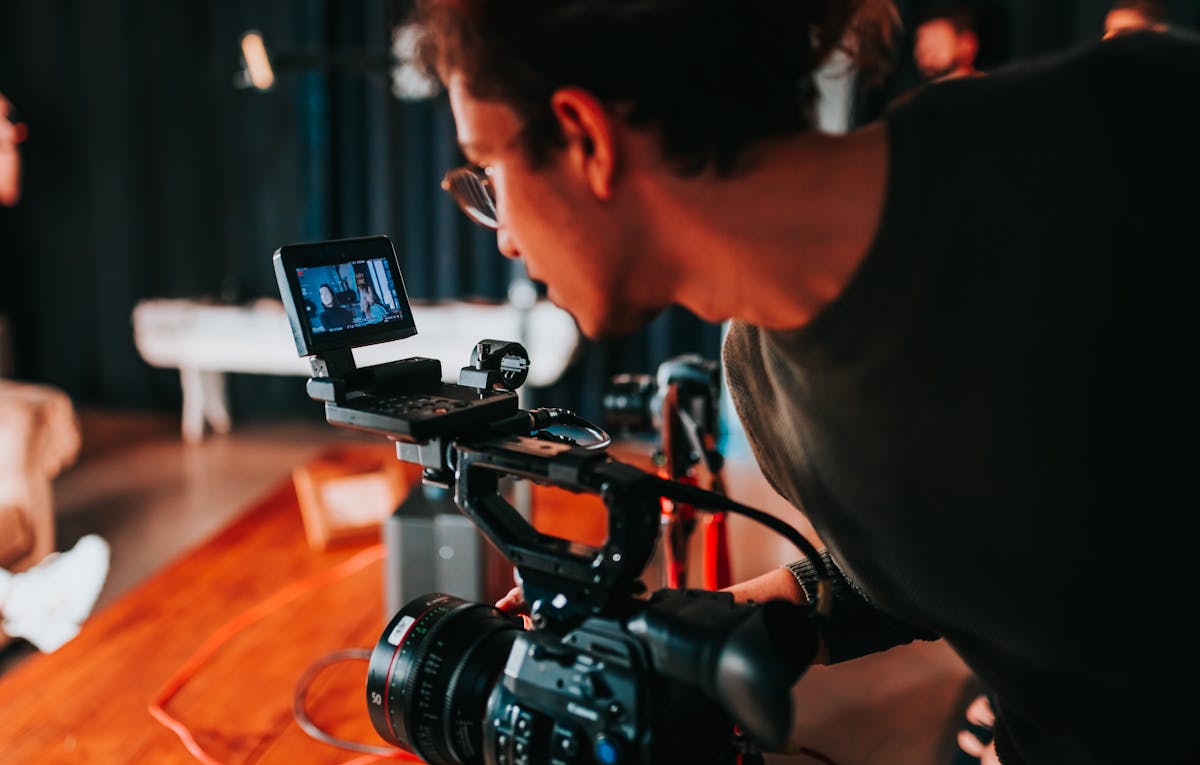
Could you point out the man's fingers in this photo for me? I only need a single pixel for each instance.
(980, 712)
(970, 744)
(976, 748)
(513, 601)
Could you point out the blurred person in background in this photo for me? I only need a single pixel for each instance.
(946, 43)
(11, 135)
(47, 603)
(945, 46)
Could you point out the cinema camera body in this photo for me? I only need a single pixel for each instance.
(608, 673)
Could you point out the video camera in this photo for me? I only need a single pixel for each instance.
(608, 673)
(636, 403)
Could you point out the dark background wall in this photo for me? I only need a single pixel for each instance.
(148, 174)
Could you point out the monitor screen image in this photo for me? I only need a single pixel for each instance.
(348, 295)
(343, 294)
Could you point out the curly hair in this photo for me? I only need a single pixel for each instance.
(711, 76)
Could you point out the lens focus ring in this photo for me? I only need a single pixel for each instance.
(431, 673)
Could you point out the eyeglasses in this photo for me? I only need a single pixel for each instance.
(472, 189)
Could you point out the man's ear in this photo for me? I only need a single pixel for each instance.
(591, 137)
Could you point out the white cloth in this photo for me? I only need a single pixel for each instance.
(48, 603)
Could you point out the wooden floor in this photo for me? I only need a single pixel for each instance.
(153, 497)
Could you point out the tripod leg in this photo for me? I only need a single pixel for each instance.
(750, 758)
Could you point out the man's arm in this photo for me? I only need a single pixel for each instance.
(854, 628)
(777, 584)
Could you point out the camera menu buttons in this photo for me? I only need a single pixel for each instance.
(564, 746)
(514, 733)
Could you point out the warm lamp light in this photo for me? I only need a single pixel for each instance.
(258, 65)
(409, 83)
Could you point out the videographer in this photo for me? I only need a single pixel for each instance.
(972, 396)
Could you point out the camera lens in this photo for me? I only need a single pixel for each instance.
(628, 402)
(431, 673)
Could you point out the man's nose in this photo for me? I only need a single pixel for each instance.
(508, 247)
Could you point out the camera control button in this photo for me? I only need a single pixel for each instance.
(503, 755)
(606, 749)
(524, 724)
(564, 745)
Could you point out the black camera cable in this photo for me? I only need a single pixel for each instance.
(555, 424)
(702, 499)
(300, 713)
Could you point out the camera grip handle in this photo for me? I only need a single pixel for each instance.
(744, 656)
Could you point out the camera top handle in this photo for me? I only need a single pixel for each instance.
(563, 581)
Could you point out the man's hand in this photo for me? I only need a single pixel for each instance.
(777, 584)
(514, 603)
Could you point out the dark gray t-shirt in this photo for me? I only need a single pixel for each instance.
(990, 426)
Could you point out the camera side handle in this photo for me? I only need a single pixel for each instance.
(744, 656)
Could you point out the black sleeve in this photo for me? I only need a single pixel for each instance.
(854, 626)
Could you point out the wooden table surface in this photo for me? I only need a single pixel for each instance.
(88, 702)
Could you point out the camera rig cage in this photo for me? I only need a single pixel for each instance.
(466, 436)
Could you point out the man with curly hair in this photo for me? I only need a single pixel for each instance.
(954, 332)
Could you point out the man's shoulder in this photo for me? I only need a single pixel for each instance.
(1149, 58)
(1133, 77)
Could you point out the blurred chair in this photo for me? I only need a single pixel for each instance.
(39, 438)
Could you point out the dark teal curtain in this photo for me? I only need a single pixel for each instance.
(148, 174)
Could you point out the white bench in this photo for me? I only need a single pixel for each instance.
(204, 341)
